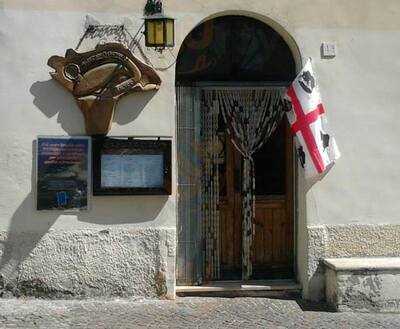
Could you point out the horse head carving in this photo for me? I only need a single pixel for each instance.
(98, 78)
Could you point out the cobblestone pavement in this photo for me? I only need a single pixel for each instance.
(189, 312)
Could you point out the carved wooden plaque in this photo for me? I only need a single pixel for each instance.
(98, 78)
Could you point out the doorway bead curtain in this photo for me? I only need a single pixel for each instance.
(210, 187)
(251, 116)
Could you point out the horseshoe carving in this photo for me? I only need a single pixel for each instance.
(98, 78)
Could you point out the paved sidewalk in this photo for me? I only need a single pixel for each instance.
(189, 312)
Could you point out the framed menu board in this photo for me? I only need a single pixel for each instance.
(62, 177)
(126, 166)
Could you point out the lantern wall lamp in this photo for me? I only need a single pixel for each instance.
(159, 29)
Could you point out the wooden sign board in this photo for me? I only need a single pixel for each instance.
(63, 173)
(99, 78)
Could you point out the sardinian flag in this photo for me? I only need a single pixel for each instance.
(317, 150)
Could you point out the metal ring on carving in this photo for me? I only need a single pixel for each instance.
(72, 71)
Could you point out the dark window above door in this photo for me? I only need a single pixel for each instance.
(234, 48)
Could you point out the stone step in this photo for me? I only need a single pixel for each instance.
(258, 288)
(364, 284)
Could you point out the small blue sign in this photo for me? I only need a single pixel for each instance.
(62, 198)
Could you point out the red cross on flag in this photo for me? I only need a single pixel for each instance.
(317, 150)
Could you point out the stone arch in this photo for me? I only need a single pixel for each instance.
(190, 244)
(282, 36)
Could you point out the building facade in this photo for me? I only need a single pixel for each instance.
(146, 245)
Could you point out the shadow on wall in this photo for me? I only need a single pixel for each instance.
(51, 99)
(25, 230)
(28, 226)
(309, 256)
(115, 210)
(130, 106)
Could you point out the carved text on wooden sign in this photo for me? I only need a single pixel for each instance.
(98, 78)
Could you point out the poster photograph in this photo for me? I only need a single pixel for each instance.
(63, 173)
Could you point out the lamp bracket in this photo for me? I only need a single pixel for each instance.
(153, 7)
(119, 33)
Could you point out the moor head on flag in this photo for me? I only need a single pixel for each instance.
(307, 81)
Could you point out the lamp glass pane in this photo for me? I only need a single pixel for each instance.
(170, 32)
(159, 37)
(150, 32)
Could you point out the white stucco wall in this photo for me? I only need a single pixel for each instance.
(41, 107)
(359, 87)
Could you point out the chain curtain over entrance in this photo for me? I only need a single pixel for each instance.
(251, 116)
(210, 188)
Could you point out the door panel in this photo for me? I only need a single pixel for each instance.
(272, 249)
(273, 244)
(230, 215)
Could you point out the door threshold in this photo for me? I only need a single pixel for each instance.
(267, 288)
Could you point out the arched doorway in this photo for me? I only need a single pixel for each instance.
(232, 52)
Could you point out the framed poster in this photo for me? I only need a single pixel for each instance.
(126, 166)
(63, 173)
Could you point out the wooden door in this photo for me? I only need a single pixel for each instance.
(231, 213)
(273, 245)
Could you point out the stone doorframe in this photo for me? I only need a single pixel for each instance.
(190, 235)
(302, 259)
